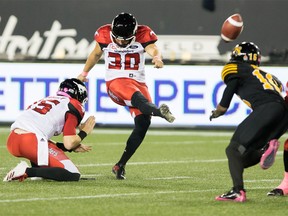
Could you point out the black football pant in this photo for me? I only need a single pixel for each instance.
(266, 122)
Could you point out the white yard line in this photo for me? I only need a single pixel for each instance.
(155, 162)
(100, 196)
(155, 132)
(171, 178)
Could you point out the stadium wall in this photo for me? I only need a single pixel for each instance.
(64, 29)
(191, 92)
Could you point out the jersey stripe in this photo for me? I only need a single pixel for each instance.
(228, 69)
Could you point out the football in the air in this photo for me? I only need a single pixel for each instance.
(232, 27)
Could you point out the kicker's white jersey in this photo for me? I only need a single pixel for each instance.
(46, 116)
(125, 62)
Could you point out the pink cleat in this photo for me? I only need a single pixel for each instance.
(268, 157)
(232, 195)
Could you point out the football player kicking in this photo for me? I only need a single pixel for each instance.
(256, 137)
(124, 44)
(282, 189)
(31, 132)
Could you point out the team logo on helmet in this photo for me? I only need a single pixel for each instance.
(237, 50)
(246, 52)
(73, 88)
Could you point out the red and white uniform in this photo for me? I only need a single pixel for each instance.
(125, 73)
(42, 120)
(125, 62)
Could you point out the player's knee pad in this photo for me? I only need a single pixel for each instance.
(235, 147)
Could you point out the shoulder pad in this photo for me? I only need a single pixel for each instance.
(102, 35)
(145, 34)
(230, 68)
(76, 108)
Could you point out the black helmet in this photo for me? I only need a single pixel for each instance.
(124, 27)
(74, 88)
(246, 52)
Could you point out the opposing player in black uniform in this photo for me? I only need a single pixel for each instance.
(255, 139)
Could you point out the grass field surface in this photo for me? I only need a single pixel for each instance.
(174, 172)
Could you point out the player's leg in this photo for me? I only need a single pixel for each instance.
(25, 145)
(261, 129)
(282, 189)
(234, 153)
(60, 167)
(14, 147)
(52, 173)
(139, 101)
(142, 123)
(237, 151)
(271, 123)
(128, 92)
(148, 108)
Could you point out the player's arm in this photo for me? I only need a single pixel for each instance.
(226, 99)
(71, 140)
(92, 59)
(155, 53)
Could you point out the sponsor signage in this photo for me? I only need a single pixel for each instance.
(60, 43)
(190, 91)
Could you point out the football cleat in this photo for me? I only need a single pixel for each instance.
(119, 171)
(276, 192)
(233, 195)
(268, 157)
(18, 173)
(165, 112)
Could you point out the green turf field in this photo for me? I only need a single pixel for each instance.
(174, 172)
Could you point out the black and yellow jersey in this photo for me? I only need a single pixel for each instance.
(254, 86)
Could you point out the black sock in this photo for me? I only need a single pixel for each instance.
(236, 166)
(139, 101)
(142, 123)
(53, 173)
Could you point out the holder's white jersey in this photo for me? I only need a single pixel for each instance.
(47, 116)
